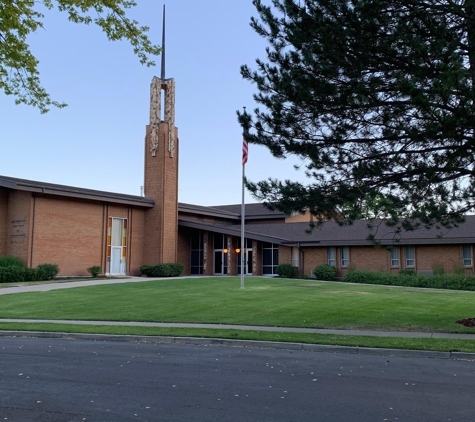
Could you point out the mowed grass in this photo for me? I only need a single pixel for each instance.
(264, 301)
(441, 345)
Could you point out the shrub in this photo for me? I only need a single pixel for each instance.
(47, 271)
(407, 271)
(12, 274)
(438, 269)
(95, 270)
(31, 274)
(10, 261)
(286, 270)
(411, 279)
(324, 272)
(304, 277)
(162, 270)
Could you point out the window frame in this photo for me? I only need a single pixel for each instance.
(343, 259)
(331, 261)
(393, 260)
(274, 248)
(413, 259)
(470, 258)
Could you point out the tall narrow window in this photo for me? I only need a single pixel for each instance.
(331, 256)
(467, 255)
(345, 256)
(196, 255)
(270, 258)
(410, 256)
(394, 252)
(116, 260)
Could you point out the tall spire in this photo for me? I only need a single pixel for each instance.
(163, 46)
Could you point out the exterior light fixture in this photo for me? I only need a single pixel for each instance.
(238, 250)
(225, 250)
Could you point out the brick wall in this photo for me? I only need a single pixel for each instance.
(285, 255)
(306, 217)
(184, 236)
(136, 240)
(312, 257)
(369, 258)
(19, 225)
(3, 220)
(70, 233)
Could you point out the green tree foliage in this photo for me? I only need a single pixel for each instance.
(377, 98)
(19, 75)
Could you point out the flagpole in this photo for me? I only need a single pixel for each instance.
(243, 245)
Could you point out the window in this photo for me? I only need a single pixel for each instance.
(394, 257)
(270, 258)
(345, 256)
(467, 255)
(248, 268)
(295, 256)
(196, 253)
(116, 255)
(410, 256)
(331, 256)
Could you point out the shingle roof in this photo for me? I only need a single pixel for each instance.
(356, 234)
(252, 210)
(74, 192)
(331, 233)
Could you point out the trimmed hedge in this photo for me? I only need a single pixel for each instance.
(12, 274)
(411, 279)
(286, 270)
(47, 271)
(324, 272)
(12, 270)
(162, 270)
(10, 261)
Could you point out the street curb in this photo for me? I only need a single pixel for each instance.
(244, 343)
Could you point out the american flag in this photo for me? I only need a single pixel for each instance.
(245, 151)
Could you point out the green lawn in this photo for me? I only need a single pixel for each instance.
(274, 302)
(442, 345)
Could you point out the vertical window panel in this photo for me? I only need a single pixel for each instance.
(410, 253)
(467, 255)
(331, 256)
(394, 254)
(345, 256)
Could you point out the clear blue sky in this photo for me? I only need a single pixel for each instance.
(98, 141)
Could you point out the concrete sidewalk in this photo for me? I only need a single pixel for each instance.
(73, 284)
(404, 334)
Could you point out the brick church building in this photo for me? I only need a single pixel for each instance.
(78, 227)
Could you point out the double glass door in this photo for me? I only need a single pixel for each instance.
(220, 262)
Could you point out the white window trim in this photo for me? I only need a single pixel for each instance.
(343, 260)
(408, 265)
(331, 261)
(395, 262)
(467, 259)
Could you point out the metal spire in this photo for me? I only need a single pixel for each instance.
(163, 46)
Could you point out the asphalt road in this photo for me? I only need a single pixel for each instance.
(76, 380)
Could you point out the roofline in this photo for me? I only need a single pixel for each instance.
(204, 210)
(74, 192)
(400, 242)
(233, 230)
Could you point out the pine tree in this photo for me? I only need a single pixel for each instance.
(377, 96)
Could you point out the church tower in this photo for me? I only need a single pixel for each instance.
(161, 170)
